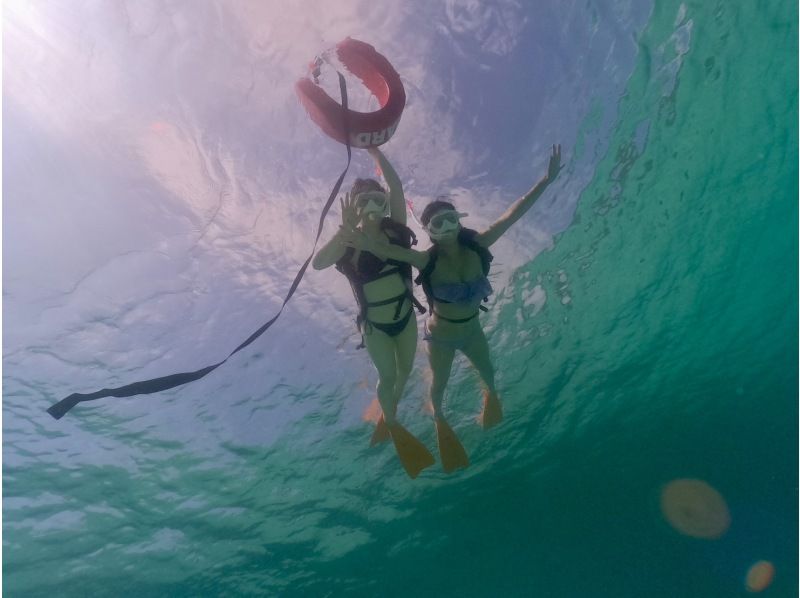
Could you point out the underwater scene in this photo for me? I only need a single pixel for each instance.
(164, 181)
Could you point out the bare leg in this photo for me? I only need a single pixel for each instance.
(450, 448)
(405, 350)
(440, 358)
(381, 350)
(405, 346)
(477, 351)
(412, 453)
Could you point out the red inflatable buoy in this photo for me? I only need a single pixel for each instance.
(367, 129)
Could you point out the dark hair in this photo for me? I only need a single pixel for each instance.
(437, 205)
(361, 185)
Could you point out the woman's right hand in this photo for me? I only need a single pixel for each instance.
(359, 240)
(554, 166)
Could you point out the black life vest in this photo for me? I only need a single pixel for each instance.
(373, 270)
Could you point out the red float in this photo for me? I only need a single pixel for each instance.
(367, 129)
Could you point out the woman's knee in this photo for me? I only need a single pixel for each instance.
(386, 380)
(404, 370)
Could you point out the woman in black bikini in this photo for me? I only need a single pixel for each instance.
(453, 274)
(383, 290)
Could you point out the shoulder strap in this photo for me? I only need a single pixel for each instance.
(345, 263)
(406, 236)
(345, 266)
(424, 277)
(406, 239)
(467, 238)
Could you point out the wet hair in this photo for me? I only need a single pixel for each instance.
(361, 185)
(437, 205)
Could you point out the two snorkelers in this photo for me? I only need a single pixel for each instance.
(373, 250)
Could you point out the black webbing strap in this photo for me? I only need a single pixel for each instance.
(402, 295)
(158, 384)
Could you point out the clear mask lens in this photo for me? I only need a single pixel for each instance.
(445, 220)
(371, 202)
(444, 223)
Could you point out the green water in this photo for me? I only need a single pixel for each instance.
(667, 348)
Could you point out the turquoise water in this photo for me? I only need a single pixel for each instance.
(667, 348)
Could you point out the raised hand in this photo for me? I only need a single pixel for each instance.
(349, 212)
(554, 166)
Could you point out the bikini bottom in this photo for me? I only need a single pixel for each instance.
(393, 328)
(457, 344)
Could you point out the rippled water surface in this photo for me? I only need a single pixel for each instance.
(162, 186)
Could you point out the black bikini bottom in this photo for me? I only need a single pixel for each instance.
(393, 328)
(458, 321)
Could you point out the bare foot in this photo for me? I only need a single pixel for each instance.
(492, 412)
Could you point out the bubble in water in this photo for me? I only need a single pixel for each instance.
(695, 508)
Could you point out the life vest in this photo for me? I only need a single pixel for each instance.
(466, 238)
(403, 237)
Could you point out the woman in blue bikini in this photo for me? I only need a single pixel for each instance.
(453, 274)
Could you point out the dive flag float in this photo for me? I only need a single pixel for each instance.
(353, 129)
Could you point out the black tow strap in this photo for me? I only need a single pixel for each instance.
(165, 382)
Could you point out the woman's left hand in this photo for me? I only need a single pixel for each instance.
(555, 166)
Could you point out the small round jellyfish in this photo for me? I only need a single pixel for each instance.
(759, 576)
(695, 508)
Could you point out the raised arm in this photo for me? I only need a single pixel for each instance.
(330, 253)
(383, 249)
(397, 200)
(334, 249)
(418, 259)
(523, 204)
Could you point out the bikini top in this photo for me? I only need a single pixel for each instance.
(464, 293)
(370, 266)
(468, 293)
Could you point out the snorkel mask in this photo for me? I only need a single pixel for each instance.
(443, 224)
(371, 204)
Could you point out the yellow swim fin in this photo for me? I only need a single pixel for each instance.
(450, 448)
(492, 412)
(413, 454)
(381, 433)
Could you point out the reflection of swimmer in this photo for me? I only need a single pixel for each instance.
(694, 508)
(453, 274)
(384, 294)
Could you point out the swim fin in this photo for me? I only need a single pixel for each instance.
(381, 433)
(413, 455)
(450, 448)
(492, 412)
